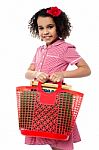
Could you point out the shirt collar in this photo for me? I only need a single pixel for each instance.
(58, 42)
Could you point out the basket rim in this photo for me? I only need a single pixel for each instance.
(26, 88)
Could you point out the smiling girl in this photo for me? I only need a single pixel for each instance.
(51, 60)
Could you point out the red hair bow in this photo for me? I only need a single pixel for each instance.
(54, 11)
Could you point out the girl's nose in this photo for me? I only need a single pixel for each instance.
(46, 31)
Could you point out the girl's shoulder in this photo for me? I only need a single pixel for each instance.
(69, 45)
(63, 43)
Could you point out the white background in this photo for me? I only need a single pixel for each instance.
(17, 49)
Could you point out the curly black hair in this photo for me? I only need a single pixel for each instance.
(63, 25)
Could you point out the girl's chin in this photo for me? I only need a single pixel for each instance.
(48, 42)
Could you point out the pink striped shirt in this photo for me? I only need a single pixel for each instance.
(54, 58)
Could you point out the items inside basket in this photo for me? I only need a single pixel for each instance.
(50, 87)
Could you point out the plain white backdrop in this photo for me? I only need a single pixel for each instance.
(17, 49)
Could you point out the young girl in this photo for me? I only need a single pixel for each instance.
(51, 61)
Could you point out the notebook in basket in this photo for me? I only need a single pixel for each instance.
(47, 114)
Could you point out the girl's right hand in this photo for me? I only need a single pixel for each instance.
(42, 77)
(39, 76)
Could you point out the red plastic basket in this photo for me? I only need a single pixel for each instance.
(50, 115)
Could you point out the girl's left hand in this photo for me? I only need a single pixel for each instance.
(56, 77)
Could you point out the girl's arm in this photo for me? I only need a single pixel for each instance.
(32, 74)
(81, 71)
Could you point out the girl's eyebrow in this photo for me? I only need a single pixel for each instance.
(47, 25)
(40, 26)
(51, 25)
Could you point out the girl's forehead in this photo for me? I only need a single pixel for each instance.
(45, 21)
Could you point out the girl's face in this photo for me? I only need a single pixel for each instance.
(47, 29)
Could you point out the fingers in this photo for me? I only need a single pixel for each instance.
(53, 78)
(56, 77)
(42, 77)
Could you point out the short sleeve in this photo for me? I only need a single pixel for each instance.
(71, 56)
(36, 56)
(34, 60)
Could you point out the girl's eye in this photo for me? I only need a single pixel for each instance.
(50, 27)
(40, 28)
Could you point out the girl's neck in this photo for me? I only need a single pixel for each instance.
(53, 41)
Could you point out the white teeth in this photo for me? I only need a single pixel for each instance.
(47, 37)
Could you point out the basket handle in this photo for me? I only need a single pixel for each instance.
(50, 85)
(48, 98)
(59, 87)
